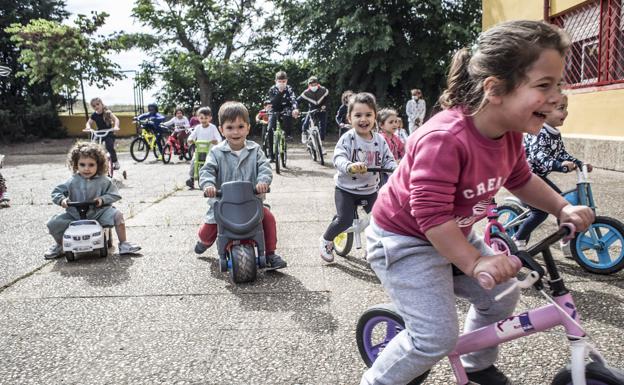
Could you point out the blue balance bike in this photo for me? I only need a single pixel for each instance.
(598, 250)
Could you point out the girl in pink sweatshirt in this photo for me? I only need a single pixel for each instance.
(422, 220)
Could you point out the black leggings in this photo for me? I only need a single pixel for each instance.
(346, 203)
(109, 142)
(536, 216)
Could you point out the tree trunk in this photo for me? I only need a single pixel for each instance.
(205, 88)
(84, 100)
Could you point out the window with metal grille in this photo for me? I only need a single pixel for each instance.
(596, 56)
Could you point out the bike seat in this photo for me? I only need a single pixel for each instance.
(238, 210)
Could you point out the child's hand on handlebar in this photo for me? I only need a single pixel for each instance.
(210, 192)
(580, 216)
(64, 203)
(357, 168)
(98, 202)
(569, 165)
(262, 188)
(500, 267)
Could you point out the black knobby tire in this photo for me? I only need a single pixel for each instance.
(594, 372)
(517, 211)
(109, 231)
(312, 152)
(139, 149)
(284, 155)
(111, 168)
(319, 149)
(343, 243)
(166, 156)
(243, 263)
(277, 160)
(611, 224)
(385, 311)
(502, 243)
(69, 256)
(267, 143)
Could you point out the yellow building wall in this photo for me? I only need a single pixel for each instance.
(597, 113)
(74, 124)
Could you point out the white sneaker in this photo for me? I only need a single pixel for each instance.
(327, 249)
(128, 248)
(53, 252)
(116, 166)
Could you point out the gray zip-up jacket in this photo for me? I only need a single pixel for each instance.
(79, 189)
(223, 165)
(352, 148)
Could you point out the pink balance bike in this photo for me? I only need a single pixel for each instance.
(495, 235)
(379, 324)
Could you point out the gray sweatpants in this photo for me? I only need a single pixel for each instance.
(421, 285)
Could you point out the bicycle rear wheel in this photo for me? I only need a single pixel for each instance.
(156, 150)
(139, 149)
(284, 154)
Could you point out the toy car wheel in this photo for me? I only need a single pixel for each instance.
(243, 264)
(69, 256)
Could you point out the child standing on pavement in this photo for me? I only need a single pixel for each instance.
(387, 122)
(237, 159)
(421, 223)
(88, 183)
(546, 153)
(356, 150)
(203, 131)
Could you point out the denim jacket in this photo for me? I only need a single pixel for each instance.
(223, 166)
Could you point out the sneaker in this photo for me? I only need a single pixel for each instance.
(521, 244)
(53, 252)
(190, 183)
(116, 166)
(275, 262)
(128, 248)
(200, 248)
(489, 376)
(327, 250)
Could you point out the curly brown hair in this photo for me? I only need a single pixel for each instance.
(88, 150)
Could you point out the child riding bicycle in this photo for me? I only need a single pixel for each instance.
(422, 221)
(154, 120)
(88, 183)
(180, 125)
(236, 159)
(205, 130)
(341, 115)
(546, 153)
(316, 97)
(356, 150)
(104, 119)
(283, 104)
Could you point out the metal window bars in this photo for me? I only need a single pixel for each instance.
(596, 55)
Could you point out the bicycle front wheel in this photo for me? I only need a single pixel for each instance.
(277, 154)
(599, 249)
(167, 150)
(319, 149)
(155, 148)
(139, 149)
(343, 244)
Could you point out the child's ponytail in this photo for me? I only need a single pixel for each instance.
(505, 52)
(458, 81)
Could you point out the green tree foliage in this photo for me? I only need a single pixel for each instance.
(380, 46)
(66, 55)
(247, 81)
(191, 35)
(26, 110)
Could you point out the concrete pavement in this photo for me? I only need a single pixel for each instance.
(168, 316)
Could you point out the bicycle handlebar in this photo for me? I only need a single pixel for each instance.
(566, 230)
(220, 194)
(100, 133)
(81, 204)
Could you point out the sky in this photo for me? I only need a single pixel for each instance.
(121, 91)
